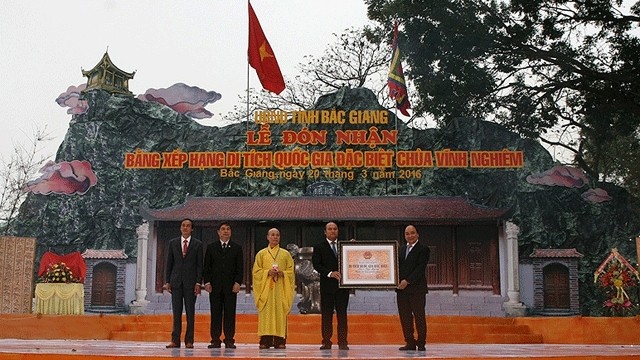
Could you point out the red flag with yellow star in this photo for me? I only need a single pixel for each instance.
(261, 57)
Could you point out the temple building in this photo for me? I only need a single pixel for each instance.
(108, 77)
(473, 248)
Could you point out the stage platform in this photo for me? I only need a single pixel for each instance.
(143, 337)
(126, 350)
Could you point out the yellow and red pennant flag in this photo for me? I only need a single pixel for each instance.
(395, 81)
(261, 57)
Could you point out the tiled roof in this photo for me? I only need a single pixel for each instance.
(104, 254)
(555, 253)
(339, 208)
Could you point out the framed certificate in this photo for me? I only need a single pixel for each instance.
(368, 264)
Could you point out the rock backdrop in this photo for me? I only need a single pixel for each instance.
(106, 216)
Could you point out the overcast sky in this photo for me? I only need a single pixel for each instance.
(44, 44)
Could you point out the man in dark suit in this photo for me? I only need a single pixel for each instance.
(325, 262)
(183, 276)
(223, 266)
(412, 289)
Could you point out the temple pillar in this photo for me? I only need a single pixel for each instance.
(513, 307)
(140, 303)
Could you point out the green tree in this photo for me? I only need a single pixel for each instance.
(563, 72)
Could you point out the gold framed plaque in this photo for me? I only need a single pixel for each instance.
(368, 264)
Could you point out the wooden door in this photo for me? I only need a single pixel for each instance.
(556, 287)
(475, 257)
(103, 289)
(440, 271)
(163, 237)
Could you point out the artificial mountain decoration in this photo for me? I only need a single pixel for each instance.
(107, 215)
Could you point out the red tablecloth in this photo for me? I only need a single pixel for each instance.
(73, 260)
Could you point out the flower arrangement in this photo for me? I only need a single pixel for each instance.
(58, 273)
(616, 276)
(616, 280)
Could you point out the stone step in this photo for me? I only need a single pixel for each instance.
(354, 327)
(363, 329)
(358, 338)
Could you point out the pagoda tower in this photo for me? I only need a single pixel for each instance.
(106, 76)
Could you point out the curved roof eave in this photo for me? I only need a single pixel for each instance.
(437, 210)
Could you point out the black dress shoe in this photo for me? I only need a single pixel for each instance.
(263, 346)
(172, 345)
(325, 347)
(215, 345)
(343, 347)
(422, 348)
(188, 345)
(229, 345)
(407, 347)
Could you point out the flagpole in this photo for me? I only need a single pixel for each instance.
(396, 155)
(248, 4)
(246, 149)
(248, 99)
(247, 119)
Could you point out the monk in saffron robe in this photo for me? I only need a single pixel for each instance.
(273, 291)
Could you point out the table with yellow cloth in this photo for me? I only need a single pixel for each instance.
(59, 299)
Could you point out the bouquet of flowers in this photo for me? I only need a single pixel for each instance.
(58, 273)
(616, 278)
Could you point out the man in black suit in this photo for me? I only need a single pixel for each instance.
(412, 289)
(183, 276)
(325, 262)
(223, 266)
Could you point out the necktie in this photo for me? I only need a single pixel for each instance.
(408, 250)
(184, 248)
(333, 247)
(224, 246)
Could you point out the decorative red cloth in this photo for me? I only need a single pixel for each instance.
(74, 261)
